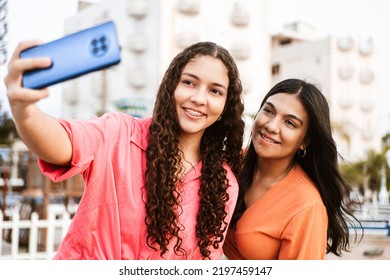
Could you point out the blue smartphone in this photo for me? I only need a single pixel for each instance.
(74, 55)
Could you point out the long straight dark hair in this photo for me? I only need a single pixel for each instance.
(320, 164)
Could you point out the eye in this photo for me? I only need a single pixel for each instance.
(188, 82)
(267, 110)
(290, 123)
(215, 91)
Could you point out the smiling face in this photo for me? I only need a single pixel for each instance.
(280, 127)
(201, 94)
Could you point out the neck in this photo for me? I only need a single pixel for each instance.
(190, 147)
(267, 174)
(273, 169)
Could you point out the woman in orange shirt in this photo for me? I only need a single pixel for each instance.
(290, 203)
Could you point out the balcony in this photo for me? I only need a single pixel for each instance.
(345, 43)
(137, 78)
(137, 42)
(240, 50)
(366, 76)
(137, 8)
(345, 101)
(366, 47)
(188, 7)
(187, 38)
(366, 105)
(240, 15)
(346, 72)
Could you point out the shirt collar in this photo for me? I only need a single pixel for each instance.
(140, 138)
(140, 134)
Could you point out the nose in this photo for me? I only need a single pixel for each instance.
(199, 96)
(273, 125)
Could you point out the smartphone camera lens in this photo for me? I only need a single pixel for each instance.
(99, 46)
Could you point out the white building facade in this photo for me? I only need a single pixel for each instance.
(151, 33)
(345, 70)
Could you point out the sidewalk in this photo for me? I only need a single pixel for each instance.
(6, 248)
(366, 250)
(370, 248)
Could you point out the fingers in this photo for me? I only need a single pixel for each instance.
(26, 64)
(24, 46)
(16, 68)
(25, 95)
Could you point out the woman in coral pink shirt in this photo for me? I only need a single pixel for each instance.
(291, 201)
(157, 188)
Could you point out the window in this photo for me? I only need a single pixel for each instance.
(275, 69)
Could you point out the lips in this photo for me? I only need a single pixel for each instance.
(194, 113)
(268, 139)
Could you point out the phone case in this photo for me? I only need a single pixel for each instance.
(74, 55)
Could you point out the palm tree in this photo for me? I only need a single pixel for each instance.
(365, 175)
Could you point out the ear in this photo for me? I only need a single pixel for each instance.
(305, 144)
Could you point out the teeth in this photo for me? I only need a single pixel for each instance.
(267, 139)
(194, 113)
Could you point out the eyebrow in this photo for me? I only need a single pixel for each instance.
(288, 115)
(197, 78)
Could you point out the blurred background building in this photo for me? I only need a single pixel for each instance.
(346, 70)
(152, 32)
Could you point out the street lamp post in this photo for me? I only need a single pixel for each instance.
(388, 158)
(383, 193)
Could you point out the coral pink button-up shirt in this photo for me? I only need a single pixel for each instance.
(109, 152)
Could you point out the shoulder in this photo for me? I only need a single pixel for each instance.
(232, 180)
(304, 188)
(124, 122)
(229, 173)
(125, 118)
(304, 198)
(113, 126)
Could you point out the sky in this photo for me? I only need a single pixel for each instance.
(360, 19)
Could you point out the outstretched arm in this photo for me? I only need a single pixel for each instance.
(42, 134)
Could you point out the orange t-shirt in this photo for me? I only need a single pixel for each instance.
(288, 222)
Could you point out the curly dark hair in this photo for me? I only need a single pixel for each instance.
(221, 144)
(320, 164)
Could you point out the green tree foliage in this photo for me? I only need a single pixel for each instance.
(375, 162)
(353, 173)
(7, 129)
(368, 169)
